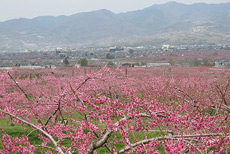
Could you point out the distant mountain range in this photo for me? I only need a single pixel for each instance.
(170, 23)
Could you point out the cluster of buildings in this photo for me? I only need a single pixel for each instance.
(139, 56)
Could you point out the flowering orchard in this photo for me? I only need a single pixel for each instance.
(134, 110)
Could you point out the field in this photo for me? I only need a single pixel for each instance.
(115, 110)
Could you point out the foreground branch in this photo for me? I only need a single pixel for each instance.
(175, 137)
(95, 145)
(193, 146)
(39, 129)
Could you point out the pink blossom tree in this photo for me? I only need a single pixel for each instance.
(140, 110)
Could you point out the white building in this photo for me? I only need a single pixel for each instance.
(165, 47)
(157, 64)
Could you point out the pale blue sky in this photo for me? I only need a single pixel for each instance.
(10, 9)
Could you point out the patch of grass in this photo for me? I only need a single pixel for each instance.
(19, 130)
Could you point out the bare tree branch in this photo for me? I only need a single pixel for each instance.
(190, 97)
(58, 109)
(47, 147)
(83, 83)
(26, 95)
(227, 107)
(38, 128)
(175, 137)
(95, 145)
(16, 83)
(107, 147)
(193, 146)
